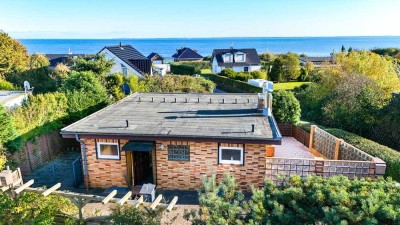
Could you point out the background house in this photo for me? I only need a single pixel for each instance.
(159, 68)
(186, 54)
(174, 139)
(55, 59)
(317, 61)
(240, 60)
(127, 60)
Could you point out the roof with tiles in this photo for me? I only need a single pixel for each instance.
(186, 53)
(252, 58)
(132, 57)
(181, 115)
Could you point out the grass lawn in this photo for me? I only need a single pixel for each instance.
(205, 71)
(288, 85)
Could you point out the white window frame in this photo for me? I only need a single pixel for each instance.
(230, 57)
(237, 57)
(231, 161)
(100, 156)
(124, 69)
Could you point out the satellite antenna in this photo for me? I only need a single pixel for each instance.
(126, 89)
(27, 86)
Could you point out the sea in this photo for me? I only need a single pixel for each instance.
(311, 46)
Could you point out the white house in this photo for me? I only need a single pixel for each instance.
(240, 60)
(159, 67)
(127, 60)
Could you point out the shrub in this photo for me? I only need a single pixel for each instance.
(38, 61)
(257, 74)
(181, 69)
(285, 107)
(5, 85)
(7, 130)
(228, 73)
(13, 55)
(231, 85)
(42, 79)
(32, 208)
(129, 214)
(332, 200)
(172, 83)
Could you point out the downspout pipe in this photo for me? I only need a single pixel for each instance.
(85, 168)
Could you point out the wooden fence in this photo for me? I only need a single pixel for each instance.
(36, 153)
(299, 134)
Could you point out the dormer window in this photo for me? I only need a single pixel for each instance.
(240, 57)
(228, 57)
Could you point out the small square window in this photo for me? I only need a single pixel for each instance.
(231, 155)
(107, 150)
(178, 153)
(124, 70)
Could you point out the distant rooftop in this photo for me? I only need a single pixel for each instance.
(153, 116)
(317, 59)
(186, 53)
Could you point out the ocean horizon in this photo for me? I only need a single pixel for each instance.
(311, 46)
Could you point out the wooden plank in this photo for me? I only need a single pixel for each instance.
(109, 197)
(48, 191)
(337, 148)
(27, 184)
(155, 203)
(311, 136)
(172, 203)
(125, 198)
(139, 201)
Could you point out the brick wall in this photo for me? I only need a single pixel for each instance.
(179, 174)
(104, 173)
(204, 162)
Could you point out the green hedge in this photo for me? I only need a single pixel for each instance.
(231, 85)
(390, 156)
(189, 68)
(182, 69)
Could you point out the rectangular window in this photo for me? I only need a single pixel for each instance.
(124, 70)
(246, 69)
(231, 155)
(178, 152)
(228, 57)
(107, 150)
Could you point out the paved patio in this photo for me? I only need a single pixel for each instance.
(291, 148)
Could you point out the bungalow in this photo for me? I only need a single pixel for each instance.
(127, 60)
(174, 139)
(240, 60)
(317, 61)
(186, 54)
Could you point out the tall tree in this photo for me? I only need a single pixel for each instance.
(291, 66)
(13, 55)
(38, 61)
(97, 64)
(343, 48)
(276, 73)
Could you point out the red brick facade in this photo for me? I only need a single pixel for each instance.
(182, 175)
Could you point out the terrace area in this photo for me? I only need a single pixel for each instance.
(319, 153)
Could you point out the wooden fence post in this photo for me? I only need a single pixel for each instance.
(311, 137)
(337, 148)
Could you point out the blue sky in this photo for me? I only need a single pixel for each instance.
(195, 18)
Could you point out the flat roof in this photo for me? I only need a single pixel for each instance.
(180, 115)
(6, 96)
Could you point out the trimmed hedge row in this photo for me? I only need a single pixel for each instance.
(390, 156)
(189, 68)
(181, 69)
(231, 85)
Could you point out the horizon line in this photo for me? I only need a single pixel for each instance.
(121, 38)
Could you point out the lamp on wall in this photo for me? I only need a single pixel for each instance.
(161, 146)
